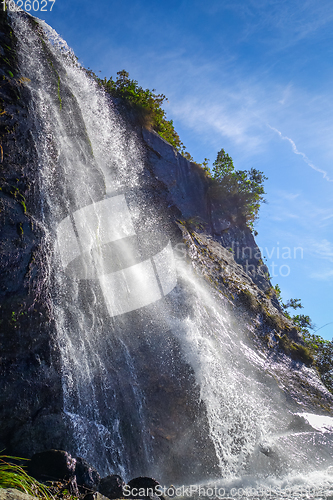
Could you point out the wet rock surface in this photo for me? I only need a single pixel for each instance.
(53, 465)
(188, 190)
(112, 486)
(86, 474)
(29, 364)
(144, 488)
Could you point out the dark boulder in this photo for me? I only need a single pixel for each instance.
(112, 486)
(86, 474)
(52, 464)
(90, 496)
(145, 488)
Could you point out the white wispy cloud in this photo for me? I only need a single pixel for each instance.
(323, 275)
(311, 215)
(286, 94)
(283, 23)
(322, 249)
(328, 217)
(303, 155)
(220, 120)
(291, 219)
(286, 195)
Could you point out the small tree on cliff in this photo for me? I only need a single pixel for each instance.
(321, 349)
(222, 166)
(240, 192)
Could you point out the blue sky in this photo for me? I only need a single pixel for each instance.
(254, 77)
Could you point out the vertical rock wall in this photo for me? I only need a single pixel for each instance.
(30, 381)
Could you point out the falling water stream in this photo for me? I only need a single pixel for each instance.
(159, 378)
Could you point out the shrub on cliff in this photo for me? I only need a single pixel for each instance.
(320, 349)
(239, 192)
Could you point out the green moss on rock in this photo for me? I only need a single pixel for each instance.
(297, 352)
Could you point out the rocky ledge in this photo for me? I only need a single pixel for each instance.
(68, 477)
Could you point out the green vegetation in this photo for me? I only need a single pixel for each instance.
(323, 354)
(248, 300)
(239, 192)
(301, 321)
(321, 350)
(297, 352)
(222, 166)
(13, 191)
(14, 476)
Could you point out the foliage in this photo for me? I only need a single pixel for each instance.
(323, 354)
(294, 303)
(146, 105)
(222, 166)
(14, 476)
(321, 350)
(240, 192)
(204, 165)
(302, 321)
(277, 291)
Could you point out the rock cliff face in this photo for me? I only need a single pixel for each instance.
(143, 392)
(234, 248)
(30, 376)
(189, 190)
(229, 259)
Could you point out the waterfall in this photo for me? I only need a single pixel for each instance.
(159, 376)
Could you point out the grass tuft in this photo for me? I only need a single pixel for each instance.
(298, 352)
(14, 476)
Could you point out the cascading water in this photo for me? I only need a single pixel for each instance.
(158, 377)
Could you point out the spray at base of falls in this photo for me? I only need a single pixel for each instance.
(158, 376)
